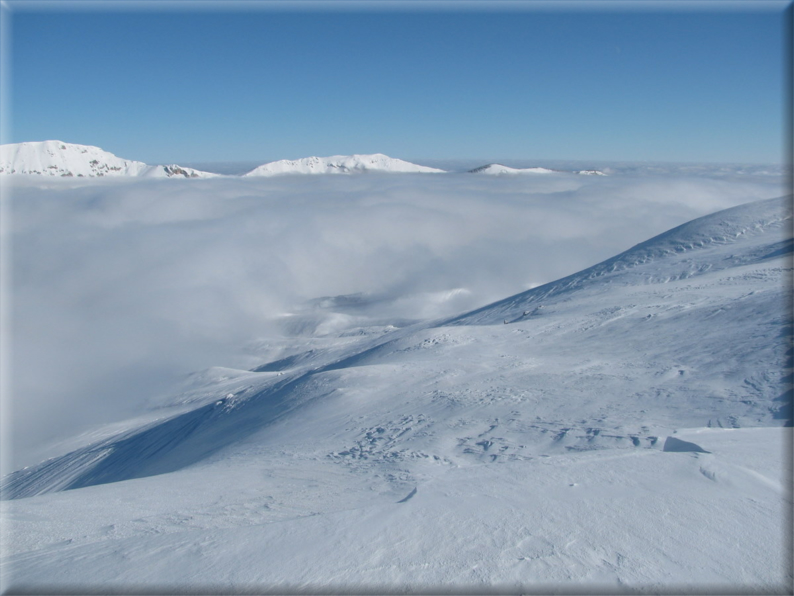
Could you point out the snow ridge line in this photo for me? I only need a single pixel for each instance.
(710, 230)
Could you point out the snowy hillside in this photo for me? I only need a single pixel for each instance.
(55, 158)
(698, 247)
(339, 164)
(600, 431)
(496, 169)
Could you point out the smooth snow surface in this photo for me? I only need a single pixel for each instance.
(55, 158)
(617, 429)
(339, 164)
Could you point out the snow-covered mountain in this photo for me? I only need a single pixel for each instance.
(339, 164)
(176, 171)
(618, 428)
(497, 169)
(55, 158)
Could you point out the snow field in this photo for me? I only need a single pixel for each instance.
(600, 519)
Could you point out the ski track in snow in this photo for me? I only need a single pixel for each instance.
(618, 428)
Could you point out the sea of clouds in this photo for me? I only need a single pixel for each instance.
(117, 289)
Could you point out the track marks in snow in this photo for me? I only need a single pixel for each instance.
(392, 442)
(513, 439)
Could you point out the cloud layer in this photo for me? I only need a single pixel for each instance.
(119, 288)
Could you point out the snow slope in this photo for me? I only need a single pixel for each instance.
(579, 522)
(618, 428)
(704, 245)
(339, 164)
(55, 158)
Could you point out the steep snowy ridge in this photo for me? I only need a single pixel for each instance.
(55, 158)
(340, 164)
(626, 390)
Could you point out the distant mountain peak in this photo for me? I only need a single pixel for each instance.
(56, 158)
(497, 169)
(340, 164)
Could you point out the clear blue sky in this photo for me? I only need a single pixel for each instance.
(214, 85)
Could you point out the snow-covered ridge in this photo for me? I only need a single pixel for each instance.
(686, 251)
(175, 171)
(340, 164)
(56, 158)
(497, 169)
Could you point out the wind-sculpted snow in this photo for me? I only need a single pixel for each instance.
(157, 448)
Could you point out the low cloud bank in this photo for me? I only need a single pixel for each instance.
(119, 288)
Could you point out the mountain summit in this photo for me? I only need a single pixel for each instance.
(56, 158)
(339, 164)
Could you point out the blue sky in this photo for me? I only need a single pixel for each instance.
(213, 85)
